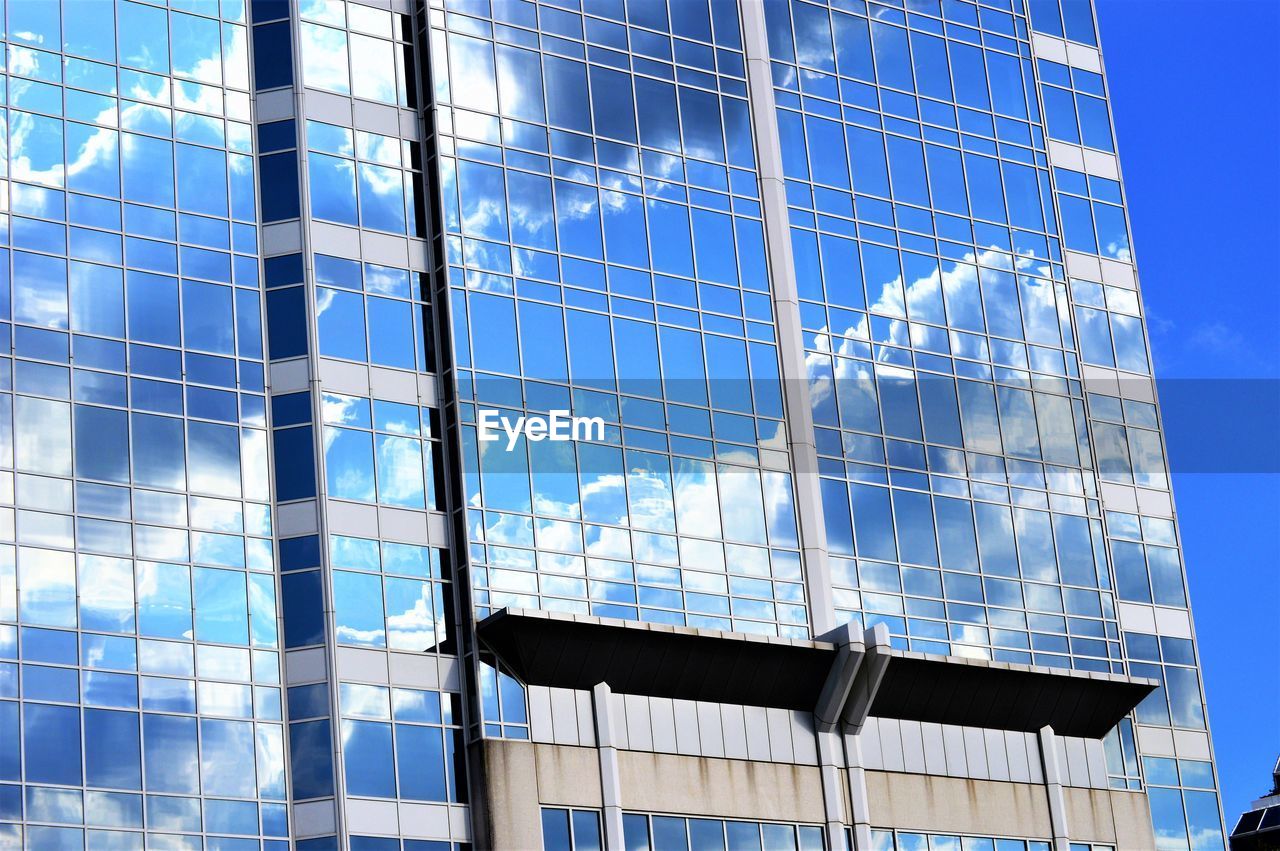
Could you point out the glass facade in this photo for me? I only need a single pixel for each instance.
(602, 230)
(889, 840)
(142, 687)
(850, 292)
(644, 832)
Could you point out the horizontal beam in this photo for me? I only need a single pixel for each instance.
(841, 676)
(578, 651)
(1004, 696)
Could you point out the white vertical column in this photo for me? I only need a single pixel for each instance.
(860, 818)
(786, 308)
(800, 438)
(830, 756)
(852, 721)
(610, 786)
(1053, 789)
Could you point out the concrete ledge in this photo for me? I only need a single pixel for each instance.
(952, 805)
(995, 808)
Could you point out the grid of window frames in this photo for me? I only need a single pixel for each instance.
(1184, 805)
(1113, 338)
(151, 285)
(396, 744)
(310, 745)
(1070, 19)
(1145, 557)
(357, 50)
(132, 254)
(1171, 662)
(502, 703)
(386, 595)
(890, 840)
(1092, 218)
(570, 830)
(606, 256)
(375, 314)
(960, 502)
(390, 595)
(1075, 106)
(1126, 441)
(642, 832)
(1121, 748)
(381, 452)
(901, 840)
(402, 743)
(363, 179)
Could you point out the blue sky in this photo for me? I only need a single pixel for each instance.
(1193, 85)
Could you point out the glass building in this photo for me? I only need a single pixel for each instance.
(870, 544)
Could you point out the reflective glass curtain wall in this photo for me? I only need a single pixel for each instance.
(602, 244)
(140, 681)
(605, 253)
(993, 478)
(373, 701)
(582, 226)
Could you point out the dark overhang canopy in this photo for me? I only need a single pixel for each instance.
(1003, 696)
(576, 651)
(658, 660)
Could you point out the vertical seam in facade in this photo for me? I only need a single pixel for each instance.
(467, 650)
(782, 288)
(277, 577)
(314, 389)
